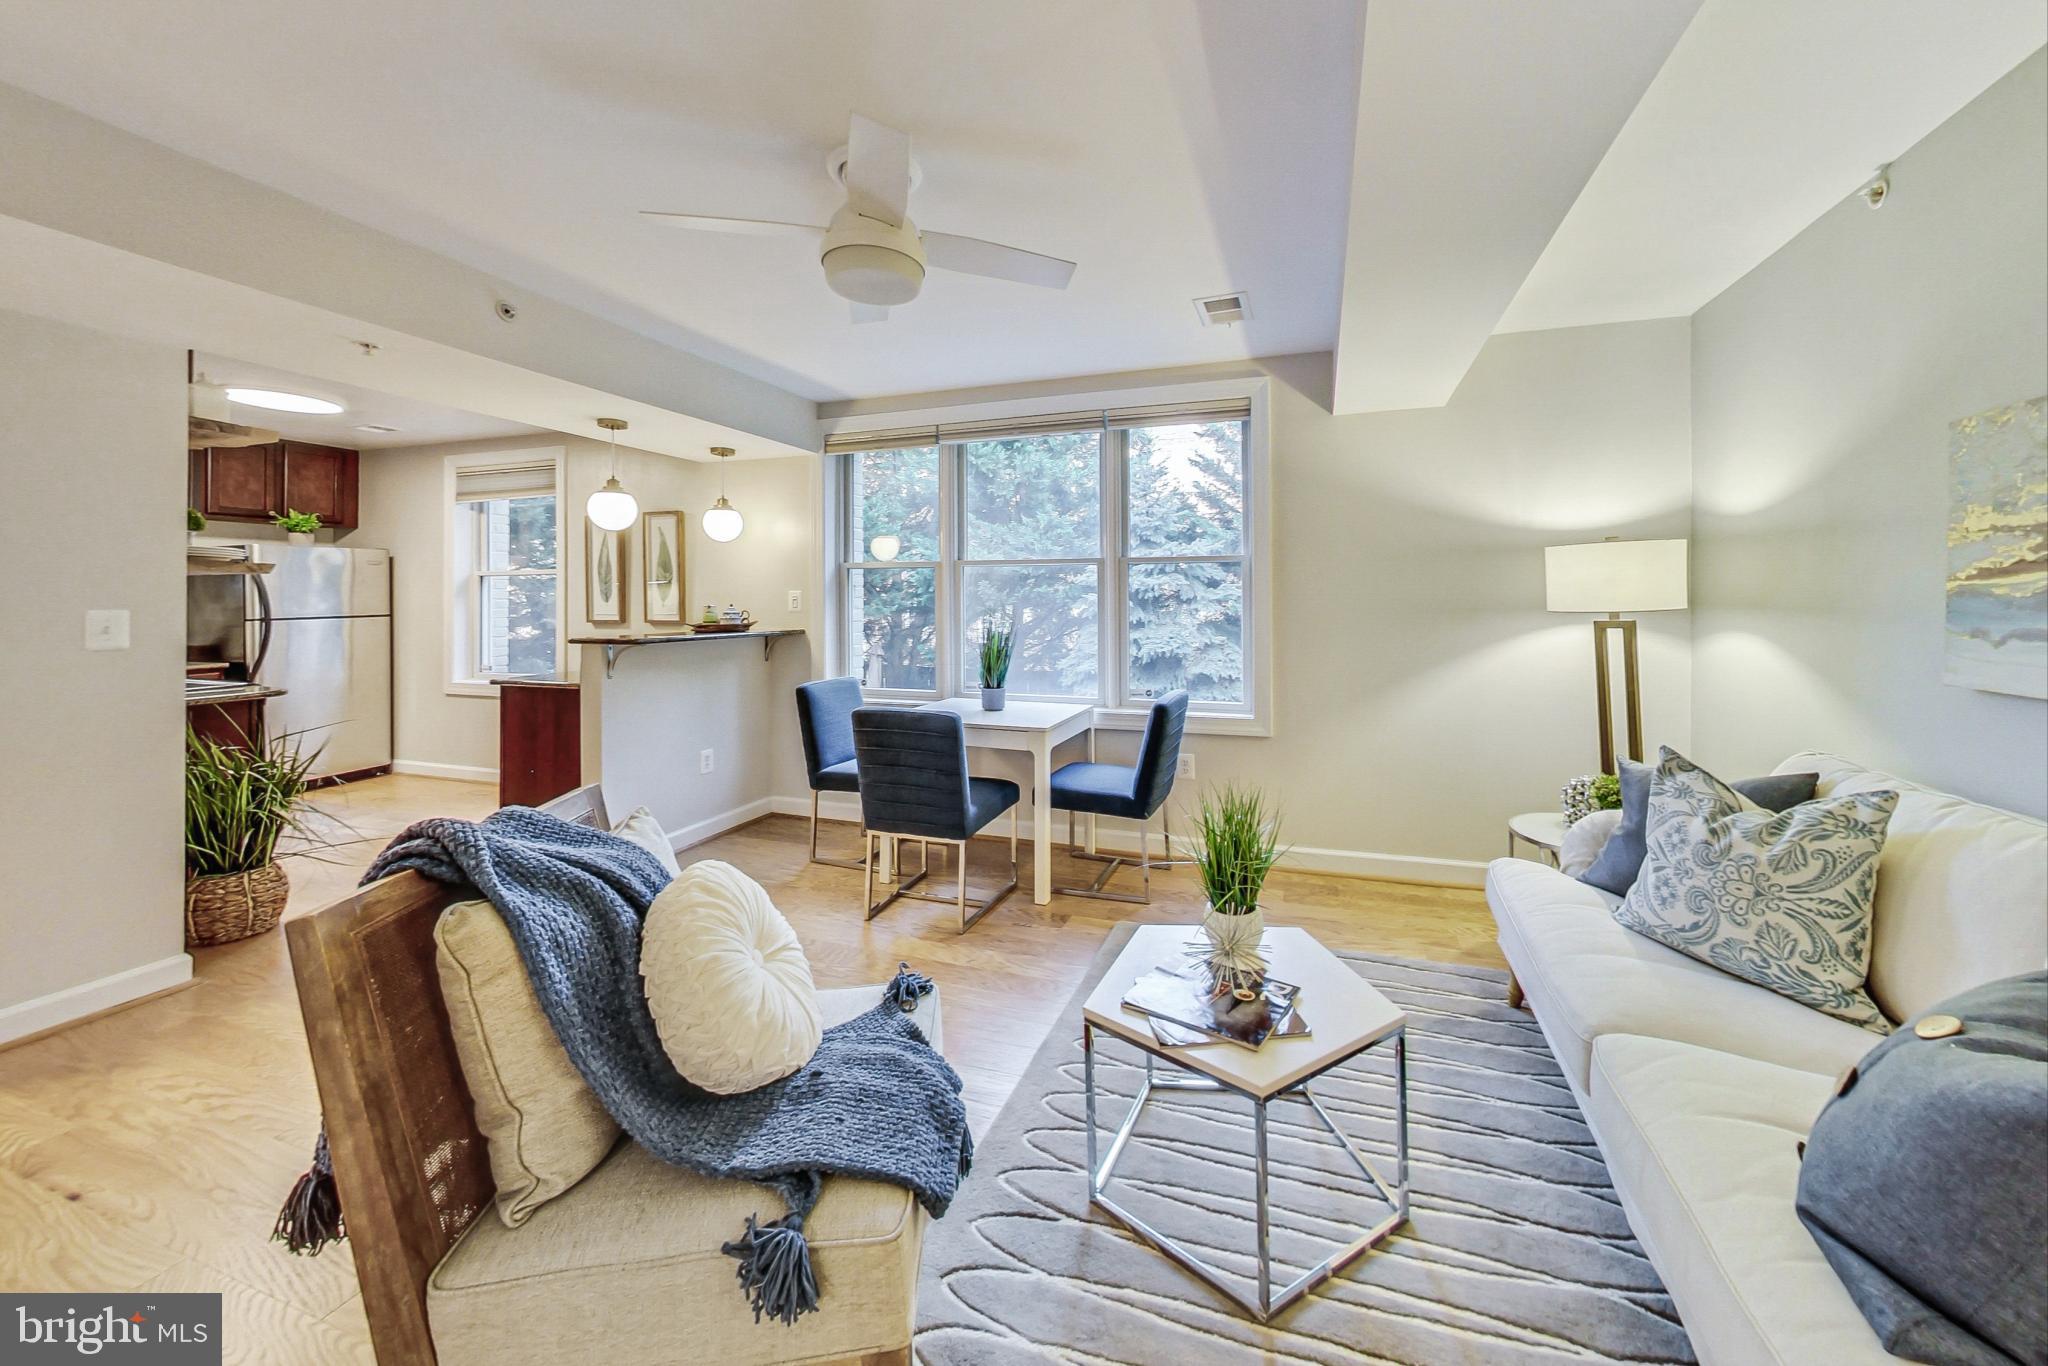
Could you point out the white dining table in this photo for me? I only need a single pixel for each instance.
(1034, 728)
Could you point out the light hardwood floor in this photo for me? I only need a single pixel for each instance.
(150, 1148)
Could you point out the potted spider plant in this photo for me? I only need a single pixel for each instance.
(996, 646)
(298, 527)
(238, 802)
(1237, 843)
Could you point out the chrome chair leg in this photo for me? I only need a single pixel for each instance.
(871, 847)
(1110, 864)
(830, 862)
(905, 888)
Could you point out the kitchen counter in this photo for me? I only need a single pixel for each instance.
(218, 695)
(614, 646)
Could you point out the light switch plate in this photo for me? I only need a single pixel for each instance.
(106, 629)
(796, 600)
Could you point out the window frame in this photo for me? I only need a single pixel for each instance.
(463, 556)
(1115, 707)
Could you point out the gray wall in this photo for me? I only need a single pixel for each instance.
(92, 861)
(1823, 385)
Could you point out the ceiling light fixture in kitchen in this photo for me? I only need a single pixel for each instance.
(277, 400)
(722, 521)
(611, 508)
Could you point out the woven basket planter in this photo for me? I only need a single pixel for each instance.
(223, 907)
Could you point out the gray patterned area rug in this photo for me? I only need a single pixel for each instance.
(1517, 1250)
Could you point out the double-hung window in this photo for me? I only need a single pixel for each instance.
(1116, 547)
(506, 561)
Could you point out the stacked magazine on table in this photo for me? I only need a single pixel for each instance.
(1184, 1009)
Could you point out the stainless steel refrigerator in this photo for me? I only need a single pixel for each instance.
(318, 625)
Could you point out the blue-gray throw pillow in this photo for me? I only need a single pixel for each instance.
(1622, 857)
(1925, 1181)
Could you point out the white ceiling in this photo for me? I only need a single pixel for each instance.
(1766, 115)
(1173, 149)
(419, 422)
(1478, 122)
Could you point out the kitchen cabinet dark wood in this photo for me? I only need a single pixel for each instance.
(320, 480)
(237, 724)
(237, 483)
(257, 483)
(540, 740)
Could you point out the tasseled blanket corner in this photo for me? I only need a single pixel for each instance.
(907, 988)
(775, 1268)
(311, 1217)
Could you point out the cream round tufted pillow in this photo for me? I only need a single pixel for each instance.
(727, 981)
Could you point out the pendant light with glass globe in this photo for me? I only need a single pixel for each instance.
(722, 521)
(611, 508)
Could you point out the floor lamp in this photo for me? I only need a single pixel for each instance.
(1611, 577)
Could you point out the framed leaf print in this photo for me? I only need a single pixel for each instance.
(661, 554)
(604, 577)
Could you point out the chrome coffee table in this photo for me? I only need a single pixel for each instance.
(1347, 1016)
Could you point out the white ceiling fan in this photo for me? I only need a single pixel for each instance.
(872, 253)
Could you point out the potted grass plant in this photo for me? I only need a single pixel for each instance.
(239, 801)
(996, 645)
(1237, 843)
(298, 527)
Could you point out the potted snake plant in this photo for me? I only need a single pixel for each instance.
(239, 800)
(995, 665)
(1237, 843)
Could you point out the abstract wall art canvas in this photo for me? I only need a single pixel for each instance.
(1998, 551)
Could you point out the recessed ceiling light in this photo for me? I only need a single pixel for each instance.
(374, 427)
(279, 401)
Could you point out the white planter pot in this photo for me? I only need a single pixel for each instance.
(1234, 943)
(992, 699)
(299, 537)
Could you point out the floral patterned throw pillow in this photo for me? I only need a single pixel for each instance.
(1781, 899)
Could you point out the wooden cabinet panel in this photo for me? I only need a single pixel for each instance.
(320, 480)
(237, 482)
(540, 742)
(256, 483)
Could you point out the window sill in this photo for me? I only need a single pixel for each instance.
(470, 687)
(1133, 718)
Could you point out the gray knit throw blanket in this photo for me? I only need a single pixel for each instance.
(876, 1100)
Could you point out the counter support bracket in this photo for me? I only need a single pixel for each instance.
(614, 648)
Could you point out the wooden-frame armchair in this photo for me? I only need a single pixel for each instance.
(411, 1167)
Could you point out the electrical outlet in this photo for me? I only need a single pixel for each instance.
(796, 600)
(1185, 770)
(704, 761)
(106, 629)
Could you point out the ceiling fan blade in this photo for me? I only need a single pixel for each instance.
(870, 313)
(750, 227)
(878, 171)
(972, 256)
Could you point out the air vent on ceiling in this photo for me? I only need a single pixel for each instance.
(374, 427)
(1221, 309)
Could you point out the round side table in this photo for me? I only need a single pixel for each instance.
(1543, 829)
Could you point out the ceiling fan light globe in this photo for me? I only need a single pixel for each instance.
(611, 508)
(869, 274)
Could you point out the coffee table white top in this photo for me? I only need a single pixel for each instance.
(1345, 1012)
(1014, 716)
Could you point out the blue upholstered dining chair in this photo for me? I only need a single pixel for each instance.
(914, 785)
(1131, 792)
(824, 712)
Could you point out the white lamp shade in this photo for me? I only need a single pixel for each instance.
(1615, 576)
(886, 546)
(722, 522)
(611, 508)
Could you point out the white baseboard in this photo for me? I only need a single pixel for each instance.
(92, 998)
(698, 831)
(460, 772)
(1448, 872)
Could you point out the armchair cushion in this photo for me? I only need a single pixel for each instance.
(636, 1248)
(542, 1124)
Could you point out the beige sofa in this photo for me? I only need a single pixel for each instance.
(1699, 1086)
